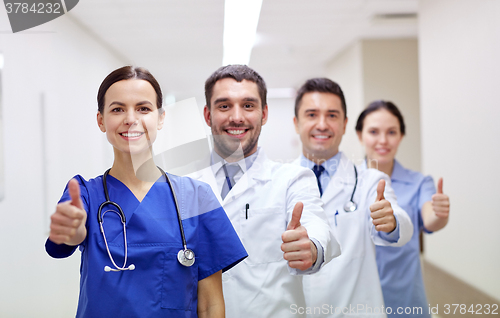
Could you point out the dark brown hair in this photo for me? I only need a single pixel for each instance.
(322, 85)
(381, 104)
(238, 73)
(126, 73)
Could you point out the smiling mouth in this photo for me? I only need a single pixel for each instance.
(236, 132)
(382, 151)
(132, 134)
(321, 137)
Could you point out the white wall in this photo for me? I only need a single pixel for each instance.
(278, 137)
(380, 69)
(346, 69)
(61, 64)
(460, 73)
(390, 72)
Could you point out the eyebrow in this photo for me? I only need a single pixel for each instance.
(138, 104)
(317, 110)
(375, 127)
(225, 99)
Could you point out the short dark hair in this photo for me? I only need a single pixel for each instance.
(126, 73)
(322, 85)
(381, 104)
(238, 73)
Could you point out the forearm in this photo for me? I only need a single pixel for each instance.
(210, 298)
(212, 311)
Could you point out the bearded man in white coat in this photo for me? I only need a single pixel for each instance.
(360, 205)
(275, 208)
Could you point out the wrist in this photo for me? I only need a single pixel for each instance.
(314, 252)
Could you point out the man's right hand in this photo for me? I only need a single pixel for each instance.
(67, 224)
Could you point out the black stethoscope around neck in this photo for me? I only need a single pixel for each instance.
(185, 255)
(351, 206)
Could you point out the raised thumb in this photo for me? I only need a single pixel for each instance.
(296, 215)
(380, 190)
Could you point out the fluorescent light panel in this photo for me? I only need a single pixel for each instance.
(241, 18)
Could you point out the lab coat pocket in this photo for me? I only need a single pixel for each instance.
(261, 234)
(179, 284)
(351, 231)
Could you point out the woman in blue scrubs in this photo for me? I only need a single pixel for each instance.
(380, 128)
(151, 282)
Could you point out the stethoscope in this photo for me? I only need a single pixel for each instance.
(351, 206)
(185, 255)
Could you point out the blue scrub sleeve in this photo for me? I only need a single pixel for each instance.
(63, 250)
(59, 250)
(220, 246)
(426, 191)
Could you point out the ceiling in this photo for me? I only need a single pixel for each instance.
(181, 41)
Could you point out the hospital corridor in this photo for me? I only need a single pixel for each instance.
(380, 116)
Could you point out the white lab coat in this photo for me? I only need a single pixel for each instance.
(263, 285)
(352, 280)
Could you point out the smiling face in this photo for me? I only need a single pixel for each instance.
(321, 123)
(130, 117)
(381, 136)
(236, 116)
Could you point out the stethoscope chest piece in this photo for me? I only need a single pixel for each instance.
(350, 206)
(186, 257)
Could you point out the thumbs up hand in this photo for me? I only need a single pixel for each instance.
(299, 250)
(67, 224)
(381, 211)
(441, 202)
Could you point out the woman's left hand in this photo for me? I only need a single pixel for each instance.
(441, 202)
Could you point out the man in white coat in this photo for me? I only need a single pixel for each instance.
(361, 212)
(274, 208)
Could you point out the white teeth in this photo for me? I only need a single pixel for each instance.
(236, 132)
(131, 134)
(321, 136)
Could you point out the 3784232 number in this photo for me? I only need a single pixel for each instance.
(477, 309)
(22, 7)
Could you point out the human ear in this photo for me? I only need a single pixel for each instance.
(206, 115)
(296, 124)
(345, 125)
(264, 114)
(359, 136)
(100, 122)
(161, 118)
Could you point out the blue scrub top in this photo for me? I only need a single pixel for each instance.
(399, 267)
(159, 286)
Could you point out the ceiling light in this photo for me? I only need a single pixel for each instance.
(240, 25)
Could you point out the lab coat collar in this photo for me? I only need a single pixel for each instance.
(259, 171)
(343, 177)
